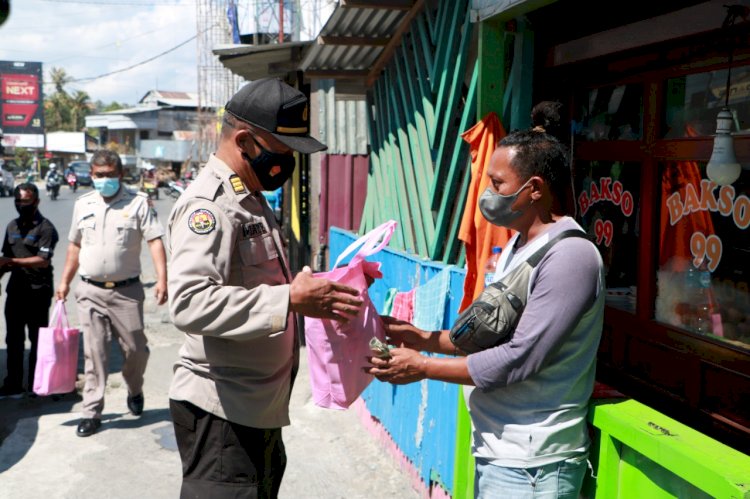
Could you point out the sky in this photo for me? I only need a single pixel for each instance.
(88, 38)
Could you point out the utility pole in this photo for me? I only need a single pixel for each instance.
(281, 21)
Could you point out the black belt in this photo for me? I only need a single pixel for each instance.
(111, 284)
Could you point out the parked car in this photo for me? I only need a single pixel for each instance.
(7, 182)
(83, 171)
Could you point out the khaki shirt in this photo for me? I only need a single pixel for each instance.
(110, 234)
(229, 292)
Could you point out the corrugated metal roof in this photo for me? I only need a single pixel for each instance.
(350, 44)
(169, 98)
(336, 50)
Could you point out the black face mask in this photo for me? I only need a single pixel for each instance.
(26, 212)
(272, 169)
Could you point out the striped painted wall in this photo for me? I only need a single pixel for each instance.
(423, 100)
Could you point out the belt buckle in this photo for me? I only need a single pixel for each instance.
(109, 284)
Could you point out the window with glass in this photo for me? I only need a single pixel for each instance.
(609, 113)
(607, 203)
(704, 249)
(694, 101)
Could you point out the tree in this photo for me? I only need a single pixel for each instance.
(63, 111)
(23, 157)
(80, 108)
(59, 79)
(101, 107)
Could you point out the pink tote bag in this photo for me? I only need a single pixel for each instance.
(56, 355)
(336, 352)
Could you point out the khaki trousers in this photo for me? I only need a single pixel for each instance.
(104, 313)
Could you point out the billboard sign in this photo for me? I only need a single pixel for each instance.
(21, 103)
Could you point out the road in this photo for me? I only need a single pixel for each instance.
(330, 453)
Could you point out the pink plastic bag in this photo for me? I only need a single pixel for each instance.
(56, 355)
(336, 352)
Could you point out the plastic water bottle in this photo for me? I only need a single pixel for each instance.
(490, 265)
(704, 303)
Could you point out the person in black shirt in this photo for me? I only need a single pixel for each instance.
(27, 252)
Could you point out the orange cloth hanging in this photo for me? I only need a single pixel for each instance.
(478, 234)
(674, 240)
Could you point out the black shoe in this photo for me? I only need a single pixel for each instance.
(88, 427)
(11, 391)
(135, 404)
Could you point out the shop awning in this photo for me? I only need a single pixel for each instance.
(504, 9)
(258, 61)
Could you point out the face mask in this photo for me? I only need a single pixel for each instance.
(107, 187)
(496, 208)
(25, 211)
(272, 169)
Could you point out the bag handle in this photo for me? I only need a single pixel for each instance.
(370, 242)
(59, 317)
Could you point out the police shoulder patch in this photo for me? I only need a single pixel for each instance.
(202, 221)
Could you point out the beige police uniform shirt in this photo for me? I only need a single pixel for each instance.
(229, 292)
(110, 234)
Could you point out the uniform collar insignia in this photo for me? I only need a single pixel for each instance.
(237, 186)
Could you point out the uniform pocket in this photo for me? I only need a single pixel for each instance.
(87, 227)
(127, 231)
(258, 250)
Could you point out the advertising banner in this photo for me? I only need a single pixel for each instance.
(21, 103)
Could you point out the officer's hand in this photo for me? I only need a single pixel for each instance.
(160, 292)
(62, 291)
(322, 298)
(4, 261)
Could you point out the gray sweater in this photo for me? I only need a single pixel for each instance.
(531, 398)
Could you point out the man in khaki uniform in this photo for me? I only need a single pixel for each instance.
(105, 236)
(232, 293)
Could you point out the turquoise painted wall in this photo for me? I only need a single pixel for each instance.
(420, 417)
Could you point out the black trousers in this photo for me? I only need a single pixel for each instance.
(223, 460)
(24, 308)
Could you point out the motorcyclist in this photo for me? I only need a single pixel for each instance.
(71, 178)
(53, 179)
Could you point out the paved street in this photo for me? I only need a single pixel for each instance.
(330, 453)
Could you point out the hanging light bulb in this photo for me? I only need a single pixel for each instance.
(723, 168)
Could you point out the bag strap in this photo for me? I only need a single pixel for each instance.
(537, 256)
(534, 259)
(371, 242)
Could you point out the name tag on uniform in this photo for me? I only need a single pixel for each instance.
(253, 229)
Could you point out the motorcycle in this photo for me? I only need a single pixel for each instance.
(53, 187)
(72, 181)
(175, 188)
(150, 188)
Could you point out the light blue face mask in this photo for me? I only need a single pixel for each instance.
(107, 187)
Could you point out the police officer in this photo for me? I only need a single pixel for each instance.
(28, 246)
(232, 293)
(105, 237)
